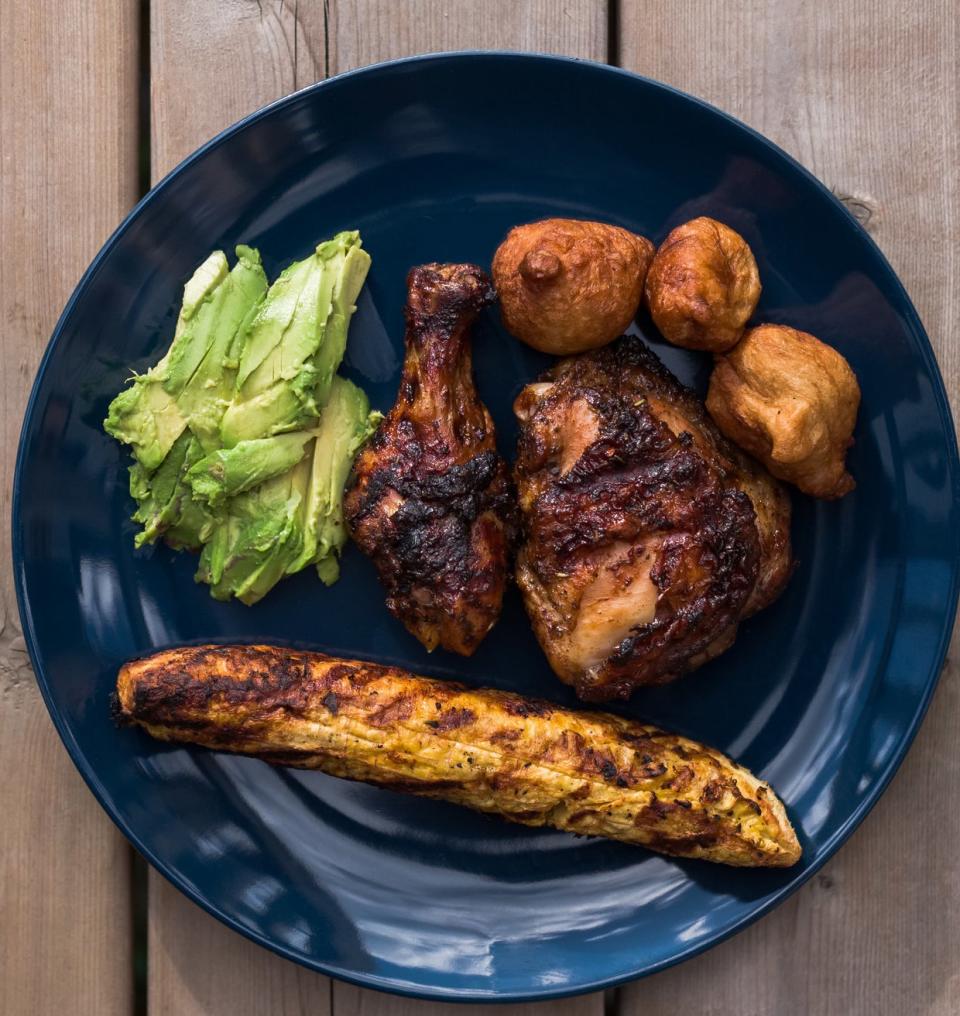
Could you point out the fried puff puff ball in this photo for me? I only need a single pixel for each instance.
(702, 286)
(791, 401)
(568, 285)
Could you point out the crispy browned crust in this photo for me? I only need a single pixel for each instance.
(703, 285)
(430, 500)
(790, 400)
(568, 285)
(719, 525)
(524, 759)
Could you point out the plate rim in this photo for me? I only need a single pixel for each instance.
(440, 993)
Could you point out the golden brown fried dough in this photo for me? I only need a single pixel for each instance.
(567, 285)
(791, 401)
(703, 285)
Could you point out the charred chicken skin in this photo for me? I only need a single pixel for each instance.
(647, 536)
(430, 500)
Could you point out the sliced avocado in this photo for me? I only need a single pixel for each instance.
(207, 394)
(250, 550)
(202, 299)
(249, 256)
(145, 417)
(275, 316)
(281, 408)
(345, 424)
(350, 279)
(300, 340)
(230, 471)
(328, 569)
(165, 506)
(276, 526)
(242, 435)
(194, 523)
(196, 289)
(157, 493)
(272, 409)
(284, 387)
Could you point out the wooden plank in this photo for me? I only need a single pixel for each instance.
(366, 31)
(196, 965)
(351, 1001)
(865, 94)
(212, 62)
(68, 164)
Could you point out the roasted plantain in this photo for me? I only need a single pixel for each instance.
(524, 759)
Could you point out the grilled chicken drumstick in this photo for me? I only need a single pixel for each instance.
(524, 759)
(647, 535)
(430, 500)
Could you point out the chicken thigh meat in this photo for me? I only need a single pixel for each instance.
(647, 536)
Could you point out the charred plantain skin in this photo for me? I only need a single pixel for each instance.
(527, 760)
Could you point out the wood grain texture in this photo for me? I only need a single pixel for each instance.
(366, 31)
(213, 61)
(866, 95)
(351, 1001)
(197, 965)
(68, 170)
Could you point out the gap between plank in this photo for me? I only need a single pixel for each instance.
(138, 866)
(326, 39)
(143, 101)
(613, 32)
(138, 920)
(611, 1002)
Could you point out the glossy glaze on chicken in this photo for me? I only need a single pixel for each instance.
(430, 499)
(647, 536)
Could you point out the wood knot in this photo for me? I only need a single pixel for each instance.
(863, 207)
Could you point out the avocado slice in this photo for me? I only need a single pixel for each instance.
(202, 298)
(275, 525)
(242, 433)
(345, 424)
(251, 549)
(208, 392)
(157, 494)
(350, 278)
(194, 523)
(276, 315)
(282, 407)
(285, 372)
(230, 471)
(165, 506)
(189, 384)
(145, 417)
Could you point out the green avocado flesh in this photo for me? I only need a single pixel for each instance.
(243, 434)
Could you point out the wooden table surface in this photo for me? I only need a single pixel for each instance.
(98, 98)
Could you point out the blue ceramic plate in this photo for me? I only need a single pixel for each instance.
(433, 159)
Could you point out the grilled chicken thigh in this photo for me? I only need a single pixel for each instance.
(647, 535)
(430, 499)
